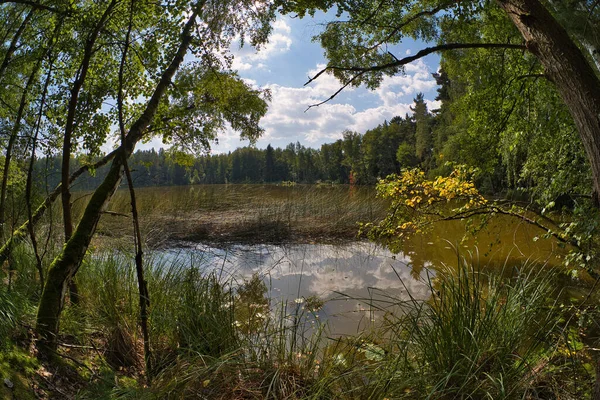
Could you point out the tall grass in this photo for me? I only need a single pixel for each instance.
(247, 212)
(480, 335)
(483, 334)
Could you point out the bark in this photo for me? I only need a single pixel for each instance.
(29, 183)
(11, 143)
(65, 266)
(69, 130)
(567, 67)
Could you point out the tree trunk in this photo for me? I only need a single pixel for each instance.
(567, 67)
(11, 143)
(20, 232)
(65, 266)
(13, 44)
(70, 123)
(574, 77)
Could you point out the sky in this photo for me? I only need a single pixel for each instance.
(285, 64)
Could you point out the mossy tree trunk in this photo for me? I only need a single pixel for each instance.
(37, 215)
(65, 266)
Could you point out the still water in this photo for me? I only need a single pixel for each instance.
(352, 276)
(347, 275)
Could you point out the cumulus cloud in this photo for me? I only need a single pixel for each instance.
(289, 118)
(280, 42)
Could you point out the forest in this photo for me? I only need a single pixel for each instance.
(377, 153)
(128, 274)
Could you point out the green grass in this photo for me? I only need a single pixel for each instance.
(480, 335)
(483, 334)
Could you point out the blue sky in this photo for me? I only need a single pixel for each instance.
(285, 64)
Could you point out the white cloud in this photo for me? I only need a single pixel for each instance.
(417, 78)
(239, 65)
(247, 57)
(289, 118)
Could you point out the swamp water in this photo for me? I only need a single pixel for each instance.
(349, 275)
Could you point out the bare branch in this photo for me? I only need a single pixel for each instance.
(398, 28)
(360, 71)
(35, 5)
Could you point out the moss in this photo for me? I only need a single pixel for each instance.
(19, 368)
(65, 266)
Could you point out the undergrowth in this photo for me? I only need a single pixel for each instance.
(483, 334)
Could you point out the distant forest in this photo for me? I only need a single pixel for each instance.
(509, 149)
(356, 158)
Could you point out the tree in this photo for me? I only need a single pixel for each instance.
(168, 67)
(358, 51)
(270, 164)
(423, 138)
(557, 47)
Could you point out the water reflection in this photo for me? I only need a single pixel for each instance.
(345, 275)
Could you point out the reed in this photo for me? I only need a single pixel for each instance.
(483, 334)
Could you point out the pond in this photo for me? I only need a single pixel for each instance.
(302, 241)
(346, 276)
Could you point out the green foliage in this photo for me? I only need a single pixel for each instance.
(406, 156)
(503, 323)
(367, 156)
(203, 101)
(480, 335)
(423, 140)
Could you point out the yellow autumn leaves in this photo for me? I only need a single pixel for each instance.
(417, 201)
(414, 189)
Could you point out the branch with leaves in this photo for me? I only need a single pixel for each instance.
(418, 203)
(359, 72)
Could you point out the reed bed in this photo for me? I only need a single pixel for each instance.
(246, 213)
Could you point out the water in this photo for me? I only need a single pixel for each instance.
(346, 275)
(350, 277)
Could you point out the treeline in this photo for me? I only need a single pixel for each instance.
(357, 158)
(509, 151)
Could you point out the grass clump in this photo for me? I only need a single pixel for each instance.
(480, 335)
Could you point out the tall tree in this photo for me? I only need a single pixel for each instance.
(270, 173)
(358, 51)
(160, 92)
(423, 140)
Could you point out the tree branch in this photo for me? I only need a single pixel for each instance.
(398, 28)
(360, 71)
(35, 5)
